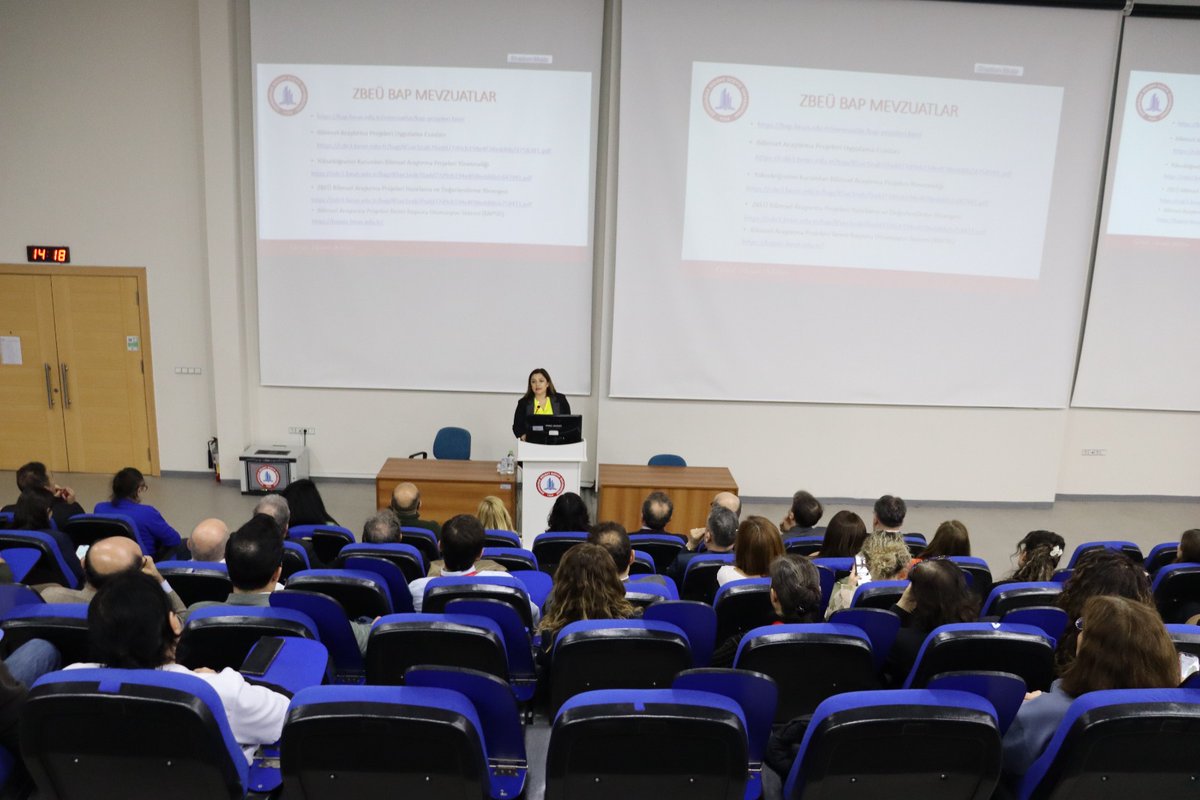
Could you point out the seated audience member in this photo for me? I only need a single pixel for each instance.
(305, 504)
(493, 515)
(105, 560)
(884, 557)
(657, 509)
(1189, 553)
(1037, 557)
(1099, 572)
(950, 539)
(18, 671)
(131, 626)
(276, 507)
(756, 545)
(254, 558)
(795, 597)
(936, 595)
(717, 536)
(615, 541)
(1120, 644)
(406, 502)
(36, 478)
(805, 513)
(727, 500)
(889, 515)
(128, 490)
(844, 536)
(568, 515)
(382, 527)
(586, 586)
(462, 546)
(207, 542)
(33, 512)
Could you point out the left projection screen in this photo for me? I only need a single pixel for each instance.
(424, 190)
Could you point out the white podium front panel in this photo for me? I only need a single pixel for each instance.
(547, 472)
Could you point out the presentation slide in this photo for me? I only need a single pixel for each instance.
(858, 169)
(1156, 189)
(432, 154)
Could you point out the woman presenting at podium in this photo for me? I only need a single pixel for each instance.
(540, 398)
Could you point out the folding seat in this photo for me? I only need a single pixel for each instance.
(1128, 548)
(742, 605)
(327, 540)
(978, 572)
(506, 588)
(697, 620)
(1119, 744)
(615, 654)
(943, 745)
(221, 636)
(197, 581)
(804, 545)
(1173, 586)
(642, 564)
(21, 561)
(916, 543)
(49, 567)
(113, 734)
(756, 694)
(986, 646)
(1186, 638)
(549, 547)
(424, 540)
(405, 556)
(421, 742)
(643, 593)
(64, 625)
(386, 570)
(14, 594)
(400, 641)
(1160, 555)
(878, 594)
(700, 576)
(809, 663)
(295, 558)
(841, 566)
(87, 529)
(537, 584)
(518, 646)
(662, 547)
(495, 537)
(511, 558)
(1004, 690)
(1008, 596)
(879, 624)
(828, 580)
(333, 629)
(1051, 619)
(360, 593)
(647, 745)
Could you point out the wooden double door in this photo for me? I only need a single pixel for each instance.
(75, 387)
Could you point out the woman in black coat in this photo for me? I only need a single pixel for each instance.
(540, 398)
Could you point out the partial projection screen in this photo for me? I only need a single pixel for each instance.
(1141, 345)
(857, 201)
(424, 181)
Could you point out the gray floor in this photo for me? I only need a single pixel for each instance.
(186, 499)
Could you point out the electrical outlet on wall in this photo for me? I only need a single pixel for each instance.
(301, 430)
(1094, 451)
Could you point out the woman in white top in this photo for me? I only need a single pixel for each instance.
(131, 626)
(757, 544)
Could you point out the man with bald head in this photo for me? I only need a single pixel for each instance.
(728, 500)
(406, 502)
(207, 542)
(106, 559)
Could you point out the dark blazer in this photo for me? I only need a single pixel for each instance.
(525, 407)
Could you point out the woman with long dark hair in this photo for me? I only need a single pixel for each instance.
(569, 513)
(305, 504)
(586, 586)
(540, 398)
(937, 595)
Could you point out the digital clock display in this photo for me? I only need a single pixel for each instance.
(39, 253)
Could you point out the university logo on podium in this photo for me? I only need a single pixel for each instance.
(550, 484)
(1154, 101)
(726, 98)
(268, 476)
(287, 95)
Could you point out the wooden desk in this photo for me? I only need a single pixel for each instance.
(622, 488)
(448, 488)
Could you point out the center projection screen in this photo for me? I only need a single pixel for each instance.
(424, 178)
(867, 201)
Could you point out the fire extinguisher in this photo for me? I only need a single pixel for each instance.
(214, 458)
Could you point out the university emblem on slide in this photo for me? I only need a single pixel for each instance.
(1154, 101)
(726, 98)
(287, 95)
(550, 484)
(267, 476)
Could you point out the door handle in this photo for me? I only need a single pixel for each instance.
(66, 388)
(49, 389)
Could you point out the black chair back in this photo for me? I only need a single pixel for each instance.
(400, 643)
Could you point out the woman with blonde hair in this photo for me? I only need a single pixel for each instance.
(494, 515)
(884, 557)
(586, 586)
(757, 543)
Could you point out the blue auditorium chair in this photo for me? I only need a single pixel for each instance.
(662, 547)
(666, 460)
(879, 624)
(511, 558)
(1051, 619)
(537, 584)
(1174, 587)
(697, 620)
(916, 543)
(804, 545)
(327, 540)
(221, 636)
(49, 567)
(550, 546)
(1004, 690)
(295, 558)
(978, 572)
(1021, 594)
(506, 588)
(405, 556)
(360, 593)
(642, 564)
(742, 605)
(197, 581)
(841, 566)
(518, 646)
(400, 641)
(333, 629)
(15, 594)
(1186, 638)
(387, 571)
(985, 646)
(645, 591)
(700, 576)
(1160, 555)
(495, 537)
(1128, 548)
(424, 540)
(87, 529)
(878, 594)
(63, 625)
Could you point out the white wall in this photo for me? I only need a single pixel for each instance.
(132, 145)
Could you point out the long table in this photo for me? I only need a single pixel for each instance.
(447, 488)
(623, 487)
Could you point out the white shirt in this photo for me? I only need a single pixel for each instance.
(417, 587)
(729, 573)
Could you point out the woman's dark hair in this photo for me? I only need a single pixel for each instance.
(1189, 547)
(125, 484)
(550, 390)
(32, 512)
(797, 585)
(568, 514)
(1098, 573)
(305, 504)
(1041, 550)
(844, 535)
(1124, 646)
(757, 544)
(951, 539)
(942, 597)
(129, 624)
(586, 586)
